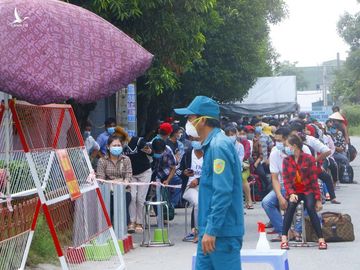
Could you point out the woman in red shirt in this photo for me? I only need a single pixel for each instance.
(300, 177)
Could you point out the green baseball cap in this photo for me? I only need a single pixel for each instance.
(201, 105)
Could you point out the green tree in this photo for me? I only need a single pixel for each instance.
(287, 68)
(346, 87)
(211, 47)
(169, 29)
(237, 50)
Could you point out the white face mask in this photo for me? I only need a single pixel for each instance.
(233, 138)
(191, 130)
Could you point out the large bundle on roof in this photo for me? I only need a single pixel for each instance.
(269, 96)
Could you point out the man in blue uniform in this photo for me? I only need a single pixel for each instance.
(221, 217)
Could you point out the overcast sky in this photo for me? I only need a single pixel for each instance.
(309, 34)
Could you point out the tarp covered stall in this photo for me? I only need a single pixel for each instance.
(269, 95)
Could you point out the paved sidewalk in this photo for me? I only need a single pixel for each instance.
(338, 256)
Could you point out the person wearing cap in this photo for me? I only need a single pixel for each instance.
(165, 129)
(221, 216)
(174, 142)
(250, 133)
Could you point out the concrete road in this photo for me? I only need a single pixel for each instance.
(338, 256)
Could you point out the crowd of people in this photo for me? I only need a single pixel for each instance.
(283, 161)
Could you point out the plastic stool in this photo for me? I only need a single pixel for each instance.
(277, 258)
(160, 233)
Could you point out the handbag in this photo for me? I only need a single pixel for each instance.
(336, 227)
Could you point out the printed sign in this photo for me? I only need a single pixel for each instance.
(69, 174)
(321, 116)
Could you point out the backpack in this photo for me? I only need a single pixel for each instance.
(352, 152)
(346, 174)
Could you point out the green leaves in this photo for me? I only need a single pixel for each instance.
(347, 83)
(287, 68)
(211, 47)
(236, 52)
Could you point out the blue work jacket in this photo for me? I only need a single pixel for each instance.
(221, 211)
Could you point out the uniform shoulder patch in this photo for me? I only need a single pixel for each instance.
(219, 166)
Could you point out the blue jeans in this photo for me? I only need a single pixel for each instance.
(225, 256)
(341, 158)
(271, 206)
(175, 193)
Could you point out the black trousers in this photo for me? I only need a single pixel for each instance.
(260, 170)
(334, 169)
(309, 203)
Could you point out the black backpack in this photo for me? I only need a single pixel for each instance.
(346, 174)
(352, 152)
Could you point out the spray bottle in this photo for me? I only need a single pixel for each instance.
(262, 243)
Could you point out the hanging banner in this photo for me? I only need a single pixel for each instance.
(69, 174)
(131, 108)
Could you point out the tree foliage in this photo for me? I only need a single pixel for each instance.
(237, 50)
(288, 68)
(346, 87)
(211, 47)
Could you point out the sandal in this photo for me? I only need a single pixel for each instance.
(298, 237)
(139, 228)
(323, 246)
(334, 201)
(276, 239)
(131, 228)
(285, 245)
(249, 206)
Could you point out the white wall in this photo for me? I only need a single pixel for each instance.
(306, 98)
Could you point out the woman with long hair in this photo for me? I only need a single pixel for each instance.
(301, 184)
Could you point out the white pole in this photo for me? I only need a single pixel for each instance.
(7, 122)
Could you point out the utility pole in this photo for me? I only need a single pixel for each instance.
(325, 97)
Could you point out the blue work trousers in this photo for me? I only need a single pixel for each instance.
(226, 255)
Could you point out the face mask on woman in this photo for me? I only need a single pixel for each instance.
(191, 130)
(233, 138)
(87, 134)
(332, 130)
(111, 130)
(242, 137)
(116, 150)
(250, 136)
(280, 146)
(157, 156)
(289, 151)
(196, 145)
